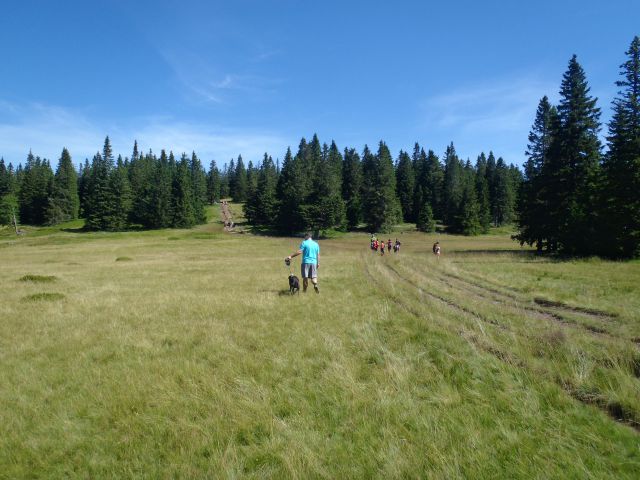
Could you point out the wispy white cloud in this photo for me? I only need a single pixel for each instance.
(487, 115)
(46, 129)
(205, 82)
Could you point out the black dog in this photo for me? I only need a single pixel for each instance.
(294, 284)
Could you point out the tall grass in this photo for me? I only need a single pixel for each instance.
(190, 360)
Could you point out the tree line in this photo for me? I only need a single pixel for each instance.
(575, 199)
(321, 188)
(317, 189)
(142, 191)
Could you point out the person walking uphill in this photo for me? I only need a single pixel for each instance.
(310, 252)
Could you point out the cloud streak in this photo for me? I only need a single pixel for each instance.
(502, 111)
(47, 129)
(204, 82)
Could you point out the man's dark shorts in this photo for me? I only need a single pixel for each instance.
(309, 270)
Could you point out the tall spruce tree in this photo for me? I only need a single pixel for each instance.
(262, 207)
(381, 206)
(420, 173)
(239, 194)
(84, 180)
(290, 191)
(573, 172)
(5, 178)
(405, 186)
(64, 202)
(161, 214)
(142, 171)
(198, 189)
(352, 187)
(35, 189)
(533, 203)
(100, 196)
(620, 225)
(182, 197)
(117, 216)
(505, 194)
(453, 187)
(325, 208)
(482, 190)
(213, 183)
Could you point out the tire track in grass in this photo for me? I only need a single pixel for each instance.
(516, 294)
(466, 334)
(612, 408)
(525, 304)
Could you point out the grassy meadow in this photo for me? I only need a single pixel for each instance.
(180, 354)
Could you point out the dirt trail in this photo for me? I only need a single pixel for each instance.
(227, 218)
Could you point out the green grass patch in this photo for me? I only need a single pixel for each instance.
(198, 364)
(124, 259)
(43, 296)
(39, 278)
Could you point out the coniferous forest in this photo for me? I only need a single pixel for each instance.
(573, 197)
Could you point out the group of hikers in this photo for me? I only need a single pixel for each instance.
(380, 245)
(310, 251)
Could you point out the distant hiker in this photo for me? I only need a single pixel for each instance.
(382, 248)
(396, 247)
(436, 249)
(389, 245)
(375, 245)
(310, 251)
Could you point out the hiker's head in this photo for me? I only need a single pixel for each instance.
(307, 235)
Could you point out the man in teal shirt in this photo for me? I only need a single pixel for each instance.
(310, 252)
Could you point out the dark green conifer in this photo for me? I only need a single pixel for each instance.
(572, 172)
(620, 205)
(405, 186)
(213, 183)
(352, 187)
(64, 202)
(239, 193)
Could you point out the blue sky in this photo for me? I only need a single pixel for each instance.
(245, 77)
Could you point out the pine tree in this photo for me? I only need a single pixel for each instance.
(161, 214)
(84, 180)
(533, 205)
(426, 221)
(421, 192)
(239, 193)
(572, 171)
(199, 189)
(380, 203)
(482, 190)
(352, 187)
(8, 199)
(262, 209)
(100, 197)
(505, 195)
(290, 191)
(182, 198)
(252, 181)
(468, 219)
(324, 207)
(117, 216)
(64, 203)
(213, 183)
(453, 187)
(620, 227)
(35, 189)
(142, 171)
(405, 186)
(4, 178)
